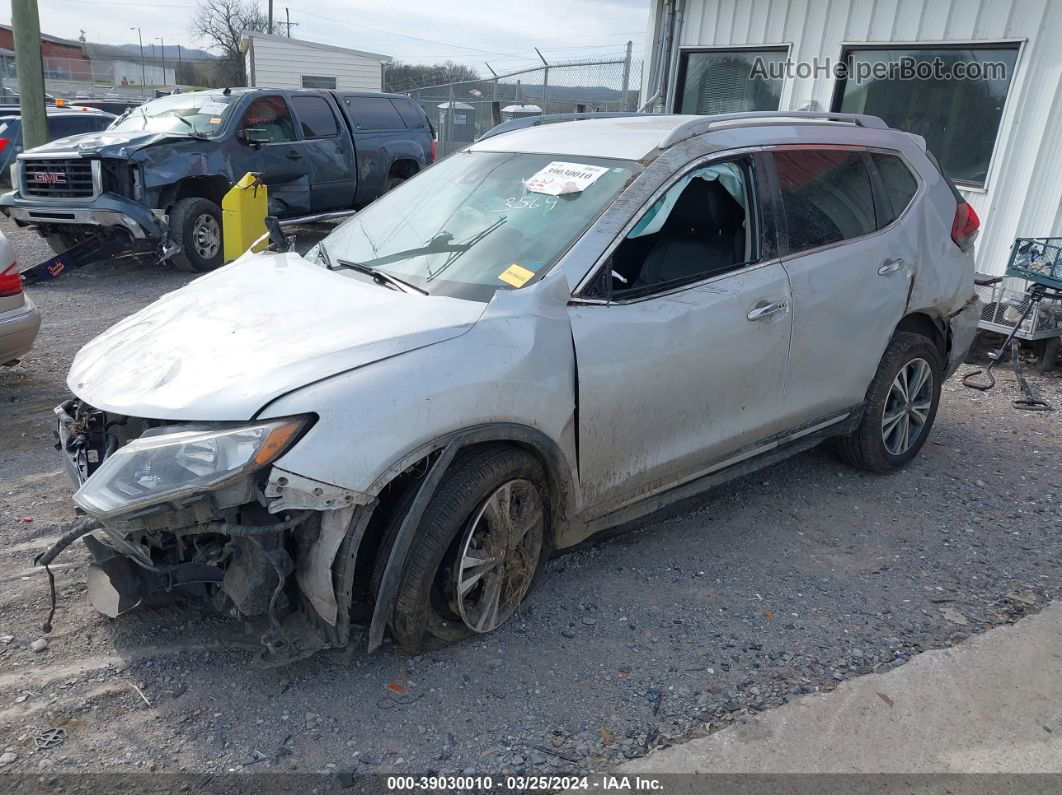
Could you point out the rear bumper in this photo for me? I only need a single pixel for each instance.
(108, 210)
(18, 330)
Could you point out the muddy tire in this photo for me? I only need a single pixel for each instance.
(195, 226)
(900, 407)
(393, 181)
(448, 585)
(61, 241)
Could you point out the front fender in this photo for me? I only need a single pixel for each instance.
(512, 373)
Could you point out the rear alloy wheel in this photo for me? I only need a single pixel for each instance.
(907, 407)
(195, 226)
(477, 553)
(900, 406)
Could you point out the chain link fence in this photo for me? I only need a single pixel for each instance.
(462, 111)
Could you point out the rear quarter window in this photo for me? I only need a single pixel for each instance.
(373, 113)
(411, 114)
(899, 183)
(827, 196)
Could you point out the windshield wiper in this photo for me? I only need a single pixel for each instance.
(195, 133)
(380, 277)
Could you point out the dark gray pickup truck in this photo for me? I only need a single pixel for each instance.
(157, 175)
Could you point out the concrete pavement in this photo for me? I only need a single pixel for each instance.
(991, 705)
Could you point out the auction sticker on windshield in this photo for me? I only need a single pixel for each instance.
(559, 178)
(516, 275)
(213, 108)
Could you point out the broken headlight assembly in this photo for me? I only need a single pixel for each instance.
(172, 466)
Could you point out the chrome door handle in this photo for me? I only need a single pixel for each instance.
(891, 265)
(764, 310)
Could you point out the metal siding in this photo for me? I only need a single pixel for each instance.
(279, 64)
(1024, 191)
(993, 19)
(883, 20)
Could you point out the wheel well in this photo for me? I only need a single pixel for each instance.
(392, 494)
(212, 188)
(403, 168)
(928, 327)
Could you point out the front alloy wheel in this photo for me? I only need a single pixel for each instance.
(499, 555)
(206, 236)
(477, 551)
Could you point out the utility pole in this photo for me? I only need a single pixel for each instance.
(269, 28)
(143, 70)
(176, 75)
(26, 27)
(289, 24)
(162, 47)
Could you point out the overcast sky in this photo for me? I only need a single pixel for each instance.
(501, 32)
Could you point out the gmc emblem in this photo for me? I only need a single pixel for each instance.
(50, 177)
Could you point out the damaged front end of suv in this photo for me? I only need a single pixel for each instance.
(197, 509)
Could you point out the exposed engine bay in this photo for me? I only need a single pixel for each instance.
(250, 546)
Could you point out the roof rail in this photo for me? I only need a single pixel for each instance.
(703, 124)
(535, 121)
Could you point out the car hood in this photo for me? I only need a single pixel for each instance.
(106, 143)
(228, 343)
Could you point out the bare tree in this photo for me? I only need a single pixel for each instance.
(220, 23)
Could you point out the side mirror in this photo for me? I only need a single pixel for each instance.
(278, 241)
(254, 136)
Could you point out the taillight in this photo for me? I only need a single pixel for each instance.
(432, 151)
(3, 144)
(964, 226)
(10, 282)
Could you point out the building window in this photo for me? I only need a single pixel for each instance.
(729, 81)
(951, 96)
(318, 81)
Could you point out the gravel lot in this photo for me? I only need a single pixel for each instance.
(782, 583)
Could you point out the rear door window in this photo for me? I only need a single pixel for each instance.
(373, 113)
(315, 117)
(827, 196)
(410, 113)
(899, 183)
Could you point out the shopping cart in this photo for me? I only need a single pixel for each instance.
(1031, 313)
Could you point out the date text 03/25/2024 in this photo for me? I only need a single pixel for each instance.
(603, 783)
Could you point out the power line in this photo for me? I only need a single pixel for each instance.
(401, 35)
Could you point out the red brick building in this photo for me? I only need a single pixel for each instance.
(62, 57)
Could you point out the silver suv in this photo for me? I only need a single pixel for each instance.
(559, 329)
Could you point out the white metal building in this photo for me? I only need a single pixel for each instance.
(999, 139)
(280, 62)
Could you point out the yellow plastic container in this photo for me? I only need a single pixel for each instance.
(243, 212)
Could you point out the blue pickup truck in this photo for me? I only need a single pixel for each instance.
(156, 176)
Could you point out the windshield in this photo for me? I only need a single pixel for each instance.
(469, 225)
(201, 113)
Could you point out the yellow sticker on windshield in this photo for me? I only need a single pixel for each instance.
(216, 120)
(516, 275)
